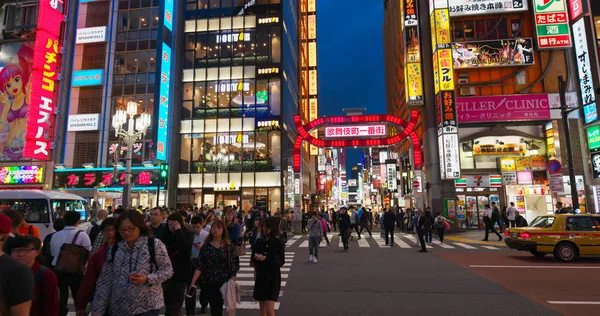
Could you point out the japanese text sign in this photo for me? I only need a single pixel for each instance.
(446, 71)
(22, 175)
(355, 131)
(442, 22)
(410, 13)
(39, 133)
(552, 24)
(164, 102)
(450, 163)
(448, 112)
(479, 7)
(503, 108)
(586, 84)
(168, 18)
(575, 9)
(414, 82)
(593, 136)
(391, 175)
(98, 179)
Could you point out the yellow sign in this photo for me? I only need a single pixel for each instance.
(414, 82)
(313, 114)
(312, 82)
(312, 26)
(433, 32)
(436, 73)
(507, 164)
(442, 22)
(312, 54)
(312, 5)
(495, 149)
(446, 72)
(523, 163)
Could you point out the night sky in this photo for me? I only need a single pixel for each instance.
(350, 59)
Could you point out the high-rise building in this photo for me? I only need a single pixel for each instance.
(239, 96)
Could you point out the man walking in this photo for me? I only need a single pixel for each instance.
(389, 221)
(512, 213)
(315, 233)
(489, 223)
(496, 216)
(69, 235)
(344, 223)
(334, 217)
(364, 223)
(354, 220)
(421, 224)
(156, 222)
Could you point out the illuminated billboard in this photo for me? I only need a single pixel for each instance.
(22, 175)
(355, 131)
(163, 107)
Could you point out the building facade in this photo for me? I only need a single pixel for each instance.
(240, 93)
(496, 91)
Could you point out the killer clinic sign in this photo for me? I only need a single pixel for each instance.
(44, 87)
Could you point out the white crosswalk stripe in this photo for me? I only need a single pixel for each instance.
(304, 244)
(400, 243)
(490, 247)
(443, 245)
(380, 241)
(466, 246)
(414, 240)
(292, 241)
(363, 243)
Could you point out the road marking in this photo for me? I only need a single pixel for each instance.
(460, 244)
(292, 241)
(414, 239)
(251, 275)
(401, 243)
(363, 243)
(446, 246)
(534, 267)
(304, 244)
(574, 302)
(247, 264)
(379, 241)
(490, 247)
(247, 257)
(341, 243)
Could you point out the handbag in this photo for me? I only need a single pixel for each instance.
(240, 250)
(446, 224)
(72, 258)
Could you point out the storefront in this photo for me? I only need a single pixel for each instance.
(103, 187)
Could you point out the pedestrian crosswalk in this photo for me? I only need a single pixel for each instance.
(401, 240)
(245, 278)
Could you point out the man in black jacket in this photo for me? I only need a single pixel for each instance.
(422, 222)
(344, 223)
(364, 222)
(178, 241)
(389, 221)
(334, 219)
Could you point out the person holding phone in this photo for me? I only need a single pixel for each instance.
(199, 237)
(268, 256)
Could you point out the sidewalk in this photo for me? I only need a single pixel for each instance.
(475, 237)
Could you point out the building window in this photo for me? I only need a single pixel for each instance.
(90, 100)
(94, 56)
(86, 148)
(477, 30)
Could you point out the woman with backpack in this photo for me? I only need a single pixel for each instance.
(440, 224)
(27, 249)
(131, 279)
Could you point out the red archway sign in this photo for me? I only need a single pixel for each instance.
(407, 131)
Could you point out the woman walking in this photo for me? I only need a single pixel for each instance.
(233, 228)
(131, 279)
(315, 233)
(440, 223)
(268, 256)
(217, 263)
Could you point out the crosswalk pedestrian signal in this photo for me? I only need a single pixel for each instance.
(164, 170)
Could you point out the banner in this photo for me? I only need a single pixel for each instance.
(586, 84)
(501, 108)
(552, 24)
(496, 53)
(480, 7)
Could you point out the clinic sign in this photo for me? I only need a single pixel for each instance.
(503, 108)
(479, 7)
(552, 24)
(355, 131)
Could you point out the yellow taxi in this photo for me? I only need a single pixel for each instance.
(567, 236)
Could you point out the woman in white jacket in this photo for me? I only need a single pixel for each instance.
(130, 283)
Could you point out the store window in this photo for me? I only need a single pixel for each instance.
(274, 200)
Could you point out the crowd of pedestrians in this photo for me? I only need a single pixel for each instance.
(139, 262)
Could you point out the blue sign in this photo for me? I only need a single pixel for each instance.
(91, 77)
(168, 18)
(163, 107)
(554, 166)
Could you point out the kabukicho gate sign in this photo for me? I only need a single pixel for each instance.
(347, 128)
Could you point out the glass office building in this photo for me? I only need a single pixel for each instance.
(239, 94)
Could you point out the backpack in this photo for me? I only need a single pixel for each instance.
(439, 222)
(30, 230)
(72, 258)
(151, 251)
(94, 232)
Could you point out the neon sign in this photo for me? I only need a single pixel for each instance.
(39, 132)
(233, 38)
(355, 131)
(163, 108)
(99, 179)
(22, 175)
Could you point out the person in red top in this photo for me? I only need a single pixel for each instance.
(26, 249)
(94, 267)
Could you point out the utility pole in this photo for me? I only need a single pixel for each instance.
(564, 111)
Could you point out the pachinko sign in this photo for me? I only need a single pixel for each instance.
(46, 65)
(22, 175)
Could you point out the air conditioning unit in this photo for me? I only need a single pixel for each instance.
(19, 20)
(465, 91)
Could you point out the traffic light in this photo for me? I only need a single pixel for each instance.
(164, 170)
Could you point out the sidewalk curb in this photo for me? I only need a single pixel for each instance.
(477, 242)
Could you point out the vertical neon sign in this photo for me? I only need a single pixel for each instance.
(163, 107)
(46, 64)
(168, 18)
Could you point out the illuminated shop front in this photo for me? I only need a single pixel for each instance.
(104, 186)
(233, 140)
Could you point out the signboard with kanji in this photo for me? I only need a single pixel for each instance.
(103, 179)
(552, 24)
(355, 131)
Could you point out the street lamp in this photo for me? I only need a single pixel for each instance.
(136, 129)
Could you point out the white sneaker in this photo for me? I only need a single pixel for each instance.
(315, 259)
(311, 258)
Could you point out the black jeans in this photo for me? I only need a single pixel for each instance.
(335, 225)
(355, 227)
(190, 302)
(421, 234)
(389, 231)
(326, 238)
(174, 293)
(428, 235)
(215, 299)
(441, 234)
(67, 282)
(488, 228)
(345, 234)
(363, 226)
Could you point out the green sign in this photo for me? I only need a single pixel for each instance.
(450, 209)
(593, 136)
(552, 29)
(552, 24)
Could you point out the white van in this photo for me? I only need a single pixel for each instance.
(41, 208)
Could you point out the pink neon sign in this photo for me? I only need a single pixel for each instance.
(355, 131)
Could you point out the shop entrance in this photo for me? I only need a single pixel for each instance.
(471, 207)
